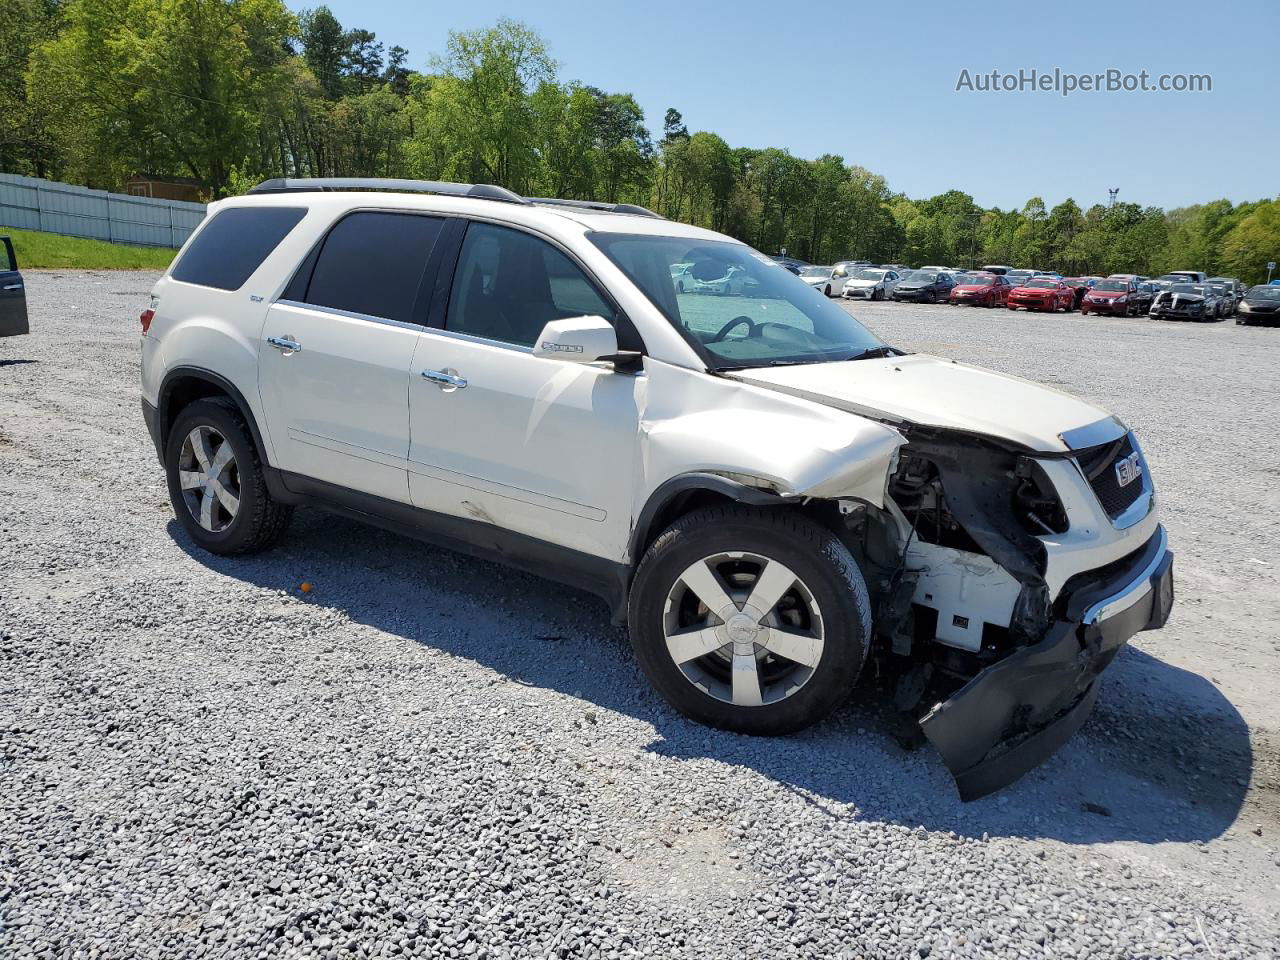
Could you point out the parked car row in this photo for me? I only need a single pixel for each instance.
(1180, 294)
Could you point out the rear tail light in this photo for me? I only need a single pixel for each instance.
(145, 318)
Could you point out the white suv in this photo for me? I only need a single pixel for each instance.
(764, 490)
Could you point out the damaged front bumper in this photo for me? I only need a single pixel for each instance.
(1015, 714)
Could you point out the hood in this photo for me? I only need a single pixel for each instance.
(931, 391)
(1107, 294)
(863, 283)
(972, 287)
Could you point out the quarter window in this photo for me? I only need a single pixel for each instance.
(372, 263)
(509, 285)
(232, 245)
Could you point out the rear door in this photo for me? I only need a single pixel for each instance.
(13, 294)
(334, 361)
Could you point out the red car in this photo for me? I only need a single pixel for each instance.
(985, 289)
(1080, 285)
(1042, 293)
(1121, 298)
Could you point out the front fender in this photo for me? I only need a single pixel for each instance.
(694, 422)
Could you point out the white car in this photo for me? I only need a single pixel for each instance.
(762, 489)
(869, 283)
(819, 277)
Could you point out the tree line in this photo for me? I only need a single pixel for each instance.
(231, 92)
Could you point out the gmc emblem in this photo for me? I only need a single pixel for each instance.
(1128, 470)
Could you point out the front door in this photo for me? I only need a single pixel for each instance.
(334, 364)
(536, 446)
(13, 294)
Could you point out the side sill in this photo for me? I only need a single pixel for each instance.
(605, 578)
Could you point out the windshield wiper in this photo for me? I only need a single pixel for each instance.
(875, 353)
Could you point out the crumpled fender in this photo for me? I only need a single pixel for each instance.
(796, 448)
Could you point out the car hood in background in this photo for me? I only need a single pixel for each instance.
(935, 392)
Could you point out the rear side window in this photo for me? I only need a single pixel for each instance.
(233, 244)
(372, 263)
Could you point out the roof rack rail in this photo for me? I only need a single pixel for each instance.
(600, 205)
(481, 191)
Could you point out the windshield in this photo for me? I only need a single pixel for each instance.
(1185, 288)
(869, 275)
(815, 272)
(1263, 293)
(1041, 284)
(976, 280)
(1111, 285)
(920, 276)
(766, 316)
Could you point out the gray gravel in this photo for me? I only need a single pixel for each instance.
(429, 756)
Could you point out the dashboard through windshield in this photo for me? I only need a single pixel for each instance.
(742, 309)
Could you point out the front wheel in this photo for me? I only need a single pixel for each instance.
(216, 482)
(751, 620)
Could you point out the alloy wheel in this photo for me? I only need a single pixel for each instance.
(209, 478)
(743, 628)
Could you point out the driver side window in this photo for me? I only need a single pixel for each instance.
(509, 284)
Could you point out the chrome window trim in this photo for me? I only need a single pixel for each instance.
(472, 338)
(349, 314)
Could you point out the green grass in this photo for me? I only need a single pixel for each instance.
(35, 249)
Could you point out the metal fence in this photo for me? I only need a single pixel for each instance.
(34, 204)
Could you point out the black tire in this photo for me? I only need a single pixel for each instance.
(259, 521)
(825, 568)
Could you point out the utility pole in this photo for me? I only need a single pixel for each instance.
(1111, 194)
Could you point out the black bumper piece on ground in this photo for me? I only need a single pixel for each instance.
(1014, 715)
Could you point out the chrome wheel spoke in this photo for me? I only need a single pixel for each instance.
(801, 648)
(704, 583)
(774, 581)
(692, 644)
(199, 440)
(206, 509)
(746, 681)
(229, 501)
(224, 458)
(190, 480)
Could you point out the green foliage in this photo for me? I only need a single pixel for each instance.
(35, 250)
(234, 91)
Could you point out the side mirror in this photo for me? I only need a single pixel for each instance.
(578, 340)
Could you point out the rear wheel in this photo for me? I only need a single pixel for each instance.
(750, 620)
(216, 481)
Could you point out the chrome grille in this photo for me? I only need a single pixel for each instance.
(1099, 466)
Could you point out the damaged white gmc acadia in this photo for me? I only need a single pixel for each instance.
(763, 490)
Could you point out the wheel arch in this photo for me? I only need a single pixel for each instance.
(184, 385)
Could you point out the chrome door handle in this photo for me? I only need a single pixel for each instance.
(284, 343)
(13, 286)
(444, 378)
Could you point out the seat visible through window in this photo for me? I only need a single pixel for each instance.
(510, 284)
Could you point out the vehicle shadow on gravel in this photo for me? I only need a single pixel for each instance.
(1165, 756)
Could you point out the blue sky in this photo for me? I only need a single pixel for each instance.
(876, 84)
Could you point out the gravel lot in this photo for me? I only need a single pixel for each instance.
(431, 756)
